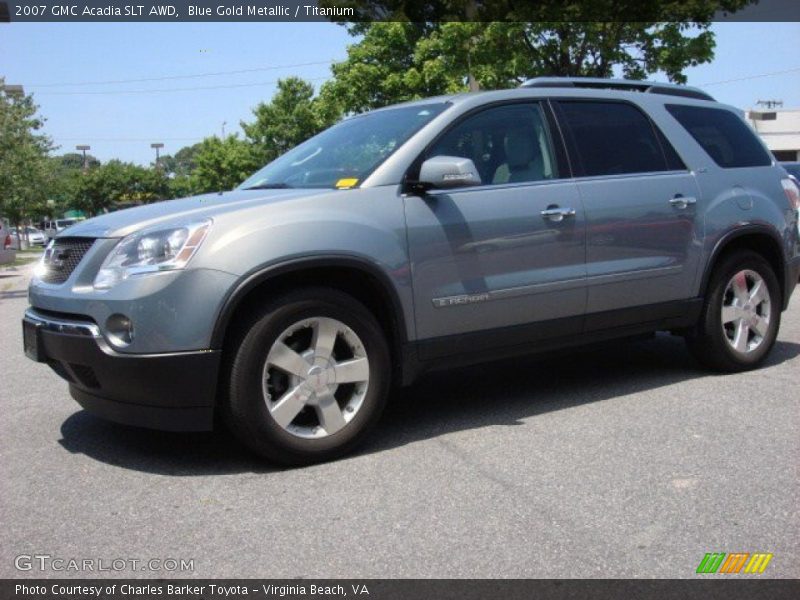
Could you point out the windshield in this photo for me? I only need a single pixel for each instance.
(66, 222)
(345, 154)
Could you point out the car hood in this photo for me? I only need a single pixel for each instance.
(125, 222)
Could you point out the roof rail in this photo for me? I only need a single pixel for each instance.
(627, 85)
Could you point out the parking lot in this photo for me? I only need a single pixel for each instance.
(622, 461)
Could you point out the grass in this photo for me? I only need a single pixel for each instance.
(24, 257)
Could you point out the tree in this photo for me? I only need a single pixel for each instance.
(116, 183)
(222, 164)
(180, 186)
(292, 116)
(515, 41)
(23, 153)
(182, 163)
(383, 69)
(74, 161)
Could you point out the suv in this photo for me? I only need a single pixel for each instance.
(441, 232)
(52, 228)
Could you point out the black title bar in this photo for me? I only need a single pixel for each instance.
(704, 587)
(344, 11)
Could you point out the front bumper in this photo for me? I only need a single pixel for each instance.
(172, 391)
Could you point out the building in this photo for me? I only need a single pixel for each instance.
(780, 130)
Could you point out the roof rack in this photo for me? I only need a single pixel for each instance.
(627, 85)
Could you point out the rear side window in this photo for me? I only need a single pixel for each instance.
(614, 138)
(724, 136)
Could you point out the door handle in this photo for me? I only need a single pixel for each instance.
(680, 201)
(556, 214)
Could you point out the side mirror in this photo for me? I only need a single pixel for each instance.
(448, 172)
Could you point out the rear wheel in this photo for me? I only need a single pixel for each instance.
(741, 314)
(310, 377)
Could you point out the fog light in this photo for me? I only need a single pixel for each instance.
(120, 329)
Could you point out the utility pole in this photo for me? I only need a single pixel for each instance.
(83, 148)
(157, 146)
(223, 129)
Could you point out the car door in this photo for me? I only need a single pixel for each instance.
(642, 220)
(502, 262)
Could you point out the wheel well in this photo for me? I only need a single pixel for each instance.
(356, 282)
(762, 244)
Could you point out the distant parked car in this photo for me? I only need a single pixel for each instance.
(35, 237)
(51, 228)
(7, 253)
(793, 168)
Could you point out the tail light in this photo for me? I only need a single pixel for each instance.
(7, 242)
(792, 193)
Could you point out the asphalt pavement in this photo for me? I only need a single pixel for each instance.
(627, 460)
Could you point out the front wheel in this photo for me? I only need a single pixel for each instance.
(741, 314)
(310, 377)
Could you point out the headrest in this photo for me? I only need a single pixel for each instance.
(521, 148)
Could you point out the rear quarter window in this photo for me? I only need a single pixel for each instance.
(723, 135)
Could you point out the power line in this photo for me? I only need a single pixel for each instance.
(749, 77)
(172, 77)
(168, 90)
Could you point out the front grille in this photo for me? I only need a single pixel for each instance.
(61, 259)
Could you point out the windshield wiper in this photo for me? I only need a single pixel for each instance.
(269, 186)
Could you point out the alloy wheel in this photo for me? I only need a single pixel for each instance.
(315, 377)
(746, 311)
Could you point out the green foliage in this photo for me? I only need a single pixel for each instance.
(182, 164)
(117, 184)
(222, 164)
(73, 161)
(24, 177)
(509, 42)
(383, 69)
(292, 116)
(425, 49)
(180, 186)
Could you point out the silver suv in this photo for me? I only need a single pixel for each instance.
(435, 233)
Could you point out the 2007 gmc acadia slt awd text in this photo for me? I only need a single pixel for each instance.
(424, 235)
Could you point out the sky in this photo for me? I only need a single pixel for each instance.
(45, 57)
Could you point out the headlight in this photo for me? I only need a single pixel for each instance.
(150, 251)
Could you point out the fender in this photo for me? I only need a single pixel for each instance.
(259, 275)
(744, 230)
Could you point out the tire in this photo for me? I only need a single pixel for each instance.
(333, 333)
(734, 337)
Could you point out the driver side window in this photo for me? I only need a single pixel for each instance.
(507, 144)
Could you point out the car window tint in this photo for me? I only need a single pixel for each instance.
(508, 144)
(724, 136)
(674, 162)
(613, 138)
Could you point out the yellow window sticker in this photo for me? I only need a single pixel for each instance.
(346, 183)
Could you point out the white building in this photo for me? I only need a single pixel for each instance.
(780, 130)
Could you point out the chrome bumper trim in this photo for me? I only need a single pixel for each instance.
(69, 327)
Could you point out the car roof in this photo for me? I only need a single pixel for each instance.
(638, 91)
